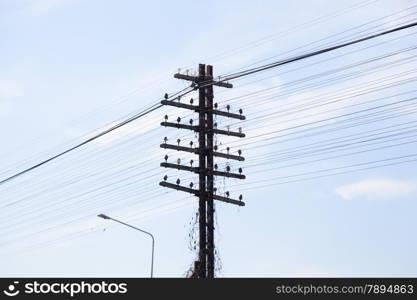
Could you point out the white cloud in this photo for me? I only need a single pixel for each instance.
(376, 189)
(45, 6)
(5, 108)
(10, 90)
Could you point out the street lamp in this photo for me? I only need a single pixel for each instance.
(103, 216)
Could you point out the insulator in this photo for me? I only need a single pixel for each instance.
(178, 160)
(191, 162)
(165, 177)
(178, 181)
(216, 105)
(215, 125)
(191, 144)
(215, 166)
(240, 129)
(166, 157)
(228, 149)
(166, 96)
(165, 139)
(228, 107)
(239, 152)
(191, 101)
(240, 111)
(228, 168)
(178, 142)
(227, 194)
(191, 121)
(214, 190)
(215, 148)
(240, 170)
(166, 117)
(228, 127)
(191, 185)
(178, 119)
(240, 197)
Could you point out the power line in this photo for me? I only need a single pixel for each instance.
(102, 133)
(203, 84)
(315, 53)
(342, 167)
(331, 174)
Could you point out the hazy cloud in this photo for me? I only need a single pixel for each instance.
(10, 90)
(45, 6)
(376, 189)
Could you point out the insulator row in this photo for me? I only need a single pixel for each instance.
(191, 121)
(191, 184)
(215, 147)
(216, 105)
(216, 167)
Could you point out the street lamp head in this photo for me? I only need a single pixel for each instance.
(103, 216)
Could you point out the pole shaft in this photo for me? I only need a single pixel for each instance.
(210, 183)
(153, 251)
(202, 175)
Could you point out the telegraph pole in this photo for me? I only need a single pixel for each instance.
(206, 170)
(202, 172)
(210, 177)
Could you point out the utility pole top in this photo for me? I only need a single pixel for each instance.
(205, 82)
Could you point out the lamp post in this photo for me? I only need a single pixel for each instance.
(103, 216)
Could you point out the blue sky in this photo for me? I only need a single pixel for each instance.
(71, 68)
